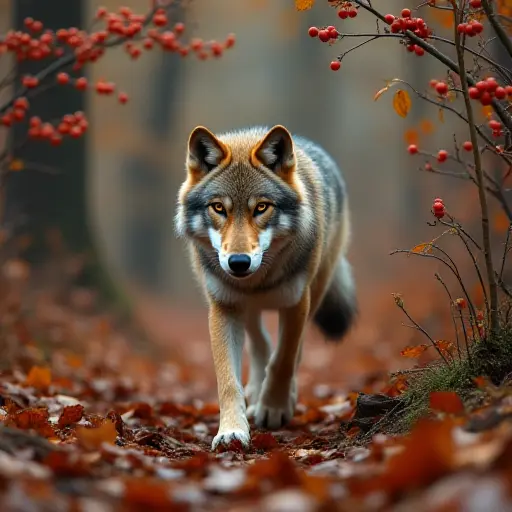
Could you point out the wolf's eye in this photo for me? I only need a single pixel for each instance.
(260, 208)
(218, 207)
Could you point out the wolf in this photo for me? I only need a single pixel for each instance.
(266, 219)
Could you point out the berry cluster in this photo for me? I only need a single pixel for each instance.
(438, 208)
(36, 44)
(486, 90)
(72, 125)
(407, 22)
(471, 29)
(496, 127)
(124, 26)
(348, 10)
(325, 34)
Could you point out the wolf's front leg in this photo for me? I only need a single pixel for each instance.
(227, 340)
(279, 391)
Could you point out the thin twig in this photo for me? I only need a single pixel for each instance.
(486, 236)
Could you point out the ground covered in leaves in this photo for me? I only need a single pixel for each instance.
(100, 427)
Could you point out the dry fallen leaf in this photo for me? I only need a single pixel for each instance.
(414, 352)
(93, 438)
(39, 377)
(446, 401)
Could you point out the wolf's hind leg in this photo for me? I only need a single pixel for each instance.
(260, 350)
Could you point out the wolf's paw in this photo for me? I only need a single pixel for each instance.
(225, 438)
(273, 416)
(275, 409)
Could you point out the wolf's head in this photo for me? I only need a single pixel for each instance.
(241, 197)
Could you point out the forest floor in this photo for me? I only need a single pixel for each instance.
(94, 423)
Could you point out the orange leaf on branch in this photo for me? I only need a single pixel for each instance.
(422, 248)
(414, 352)
(304, 5)
(402, 102)
(446, 401)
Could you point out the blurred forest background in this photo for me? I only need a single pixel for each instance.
(117, 186)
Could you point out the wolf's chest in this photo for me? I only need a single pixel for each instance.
(285, 295)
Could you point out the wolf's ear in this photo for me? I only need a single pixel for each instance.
(275, 151)
(205, 152)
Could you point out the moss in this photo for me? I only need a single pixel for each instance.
(492, 359)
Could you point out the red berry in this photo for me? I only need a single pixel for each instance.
(442, 155)
(123, 97)
(389, 18)
(56, 139)
(441, 88)
(64, 128)
(30, 82)
(230, 41)
(396, 27)
(438, 200)
(21, 103)
(18, 114)
(179, 28)
(461, 28)
(101, 12)
(324, 36)
(437, 206)
(482, 85)
(81, 83)
(508, 88)
(335, 65)
(63, 78)
(439, 213)
(494, 125)
(468, 145)
(160, 19)
(47, 130)
(500, 93)
(6, 120)
(433, 83)
(313, 32)
(486, 98)
(75, 132)
(343, 14)
(491, 83)
(406, 13)
(352, 13)
(477, 27)
(474, 93)
(418, 50)
(476, 4)
(468, 29)
(412, 149)
(35, 121)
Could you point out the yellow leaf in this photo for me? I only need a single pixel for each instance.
(304, 5)
(402, 102)
(441, 115)
(422, 248)
(16, 165)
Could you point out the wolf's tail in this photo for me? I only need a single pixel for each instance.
(338, 309)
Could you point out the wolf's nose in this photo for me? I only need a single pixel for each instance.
(239, 263)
